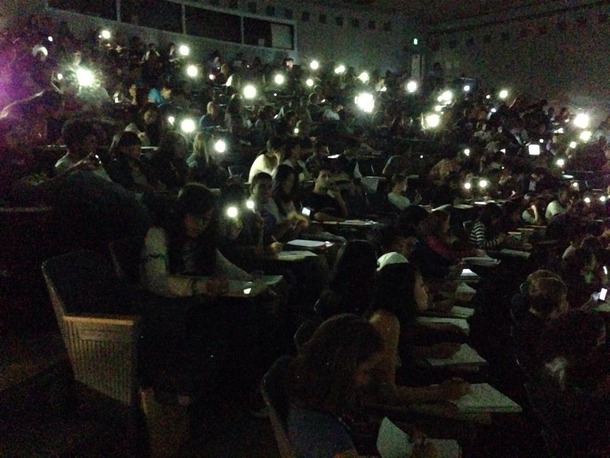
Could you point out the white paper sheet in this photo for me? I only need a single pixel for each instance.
(466, 355)
(485, 398)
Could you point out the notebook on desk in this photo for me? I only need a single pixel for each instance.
(465, 356)
(459, 322)
(393, 442)
(485, 398)
(515, 253)
(296, 255)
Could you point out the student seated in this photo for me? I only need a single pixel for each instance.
(325, 201)
(324, 382)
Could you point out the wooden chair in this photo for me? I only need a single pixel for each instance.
(276, 399)
(94, 313)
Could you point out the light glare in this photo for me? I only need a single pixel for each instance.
(412, 87)
(184, 50)
(249, 92)
(582, 120)
(188, 126)
(220, 146)
(192, 71)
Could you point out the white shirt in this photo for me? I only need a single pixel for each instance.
(398, 200)
(554, 208)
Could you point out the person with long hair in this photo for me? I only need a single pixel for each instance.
(187, 275)
(202, 167)
(351, 285)
(486, 232)
(435, 230)
(169, 160)
(147, 126)
(325, 382)
(126, 167)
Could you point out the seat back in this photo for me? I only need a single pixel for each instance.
(126, 255)
(274, 394)
(305, 331)
(94, 314)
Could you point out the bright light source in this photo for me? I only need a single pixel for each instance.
(533, 150)
(483, 184)
(171, 120)
(314, 65)
(493, 110)
(85, 77)
(220, 146)
(467, 152)
(503, 150)
(105, 34)
(412, 87)
(295, 131)
(339, 70)
(365, 101)
(573, 145)
(603, 199)
(232, 212)
(446, 97)
(364, 77)
(432, 120)
(585, 135)
(60, 77)
(503, 94)
(50, 38)
(575, 185)
(560, 131)
(212, 76)
(184, 50)
(415, 41)
(192, 71)
(188, 126)
(582, 120)
(438, 108)
(467, 186)
(249, 92)
(541, 141)
(488, 96)
(250, 204)
(560, 162)
(467, 88)
(309, 82)
(279, 79)
(587, 200)
(421, 157)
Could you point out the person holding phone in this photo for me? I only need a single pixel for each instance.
(325, 201)
(81, 140)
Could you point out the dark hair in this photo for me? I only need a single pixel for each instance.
(394, 292)
(490, 212)
(282, 173)
(433, 224)
(573, 335)
(193, 199)
(75, 132)
(125, 139)
(260, 176)
(548, 295)
(322, 375)
(291, 144)
(397, 178)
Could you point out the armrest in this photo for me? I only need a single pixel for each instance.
(106, 329)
